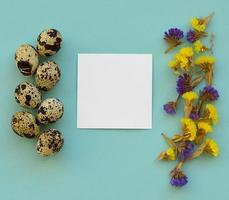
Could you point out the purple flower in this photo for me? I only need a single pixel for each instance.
(209, 93)
(183, 84)
(170, 108)
(174, 33)
(178, 179)
(173, 37)
(186, 151)
(194, 115)
(191, 36)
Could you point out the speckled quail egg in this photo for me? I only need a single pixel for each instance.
(49, 42)
(26, 58)
(49, 142)
(50, 111)
(27, 95)
(47, 75)
(24, 124)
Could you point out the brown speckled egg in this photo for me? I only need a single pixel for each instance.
(26, 58)
(24, 124)
(27, 95)
(47, 75)
(49, 142)
(50, 111)
(49, 42)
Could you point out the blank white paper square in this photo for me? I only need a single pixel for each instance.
(114, 91)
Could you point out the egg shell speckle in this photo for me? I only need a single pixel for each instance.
(24, 124)
(27, 95)
(50, 111)
(26, 58)
(49, 42)
(47, 75)
(49, 142)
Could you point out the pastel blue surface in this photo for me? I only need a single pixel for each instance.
(107, 164)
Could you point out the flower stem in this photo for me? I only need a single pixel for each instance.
(177, 99)
(197, 152)
(200, 105)
(169, 141)
(187, 110)
(210, 75)
(212, 42)
(179, 165)
(172, 46)
(196, 81)
(208, 18)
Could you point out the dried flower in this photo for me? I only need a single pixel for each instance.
(193, 35)
(170, 108)
(194, 115)
(173, 37)
(209, 93)
(178, 178)
(169, 154)
(200, 24)
(211, 114)
(184, 84)
(186, 150)
(189, 98)
(203, 129)
(183, 60)
(211, 147)
(186, 51)
(199, 47)
(206, 63)
(188, 128)
(199, 115)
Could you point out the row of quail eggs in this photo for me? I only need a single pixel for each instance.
(47, 74)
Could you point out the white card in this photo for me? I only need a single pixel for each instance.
(114, 91)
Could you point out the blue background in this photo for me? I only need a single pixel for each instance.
(107, 164)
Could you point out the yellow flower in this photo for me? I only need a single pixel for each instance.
(182, 60)
(172, 64)
(204, 127)
(203, 60)
(189, 96)
(211, 113)
(211, 147)
(189, 128)
(198, 24)
(206, 63)
(169, 154)
(186, 51)
(199, 47)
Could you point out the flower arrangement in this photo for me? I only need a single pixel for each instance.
(192, 64)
